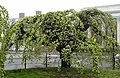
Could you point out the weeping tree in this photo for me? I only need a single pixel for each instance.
(67, 31)
(3, 39)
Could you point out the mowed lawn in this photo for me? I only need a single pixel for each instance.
(54, 73)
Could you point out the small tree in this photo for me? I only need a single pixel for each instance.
(3, 38)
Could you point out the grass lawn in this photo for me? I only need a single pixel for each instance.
(53, 73)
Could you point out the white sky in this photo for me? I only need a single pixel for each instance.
(29, 7)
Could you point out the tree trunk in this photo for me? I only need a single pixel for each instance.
(65, 64)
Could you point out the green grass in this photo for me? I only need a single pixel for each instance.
(53, 73)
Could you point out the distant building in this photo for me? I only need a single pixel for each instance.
(21, 15)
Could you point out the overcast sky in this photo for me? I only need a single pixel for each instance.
(30, 6)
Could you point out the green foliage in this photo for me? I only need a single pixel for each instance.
(67, 31)
(3, 38)
(67, 28)
(102, 28)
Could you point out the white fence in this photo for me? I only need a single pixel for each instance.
(53, 60)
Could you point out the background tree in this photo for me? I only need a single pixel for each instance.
(3, 39)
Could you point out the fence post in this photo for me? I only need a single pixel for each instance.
(46, 59)
(113, 54)
(25, 62)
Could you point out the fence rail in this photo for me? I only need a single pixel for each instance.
(53, 60)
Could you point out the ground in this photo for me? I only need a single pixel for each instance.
(54, 73)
